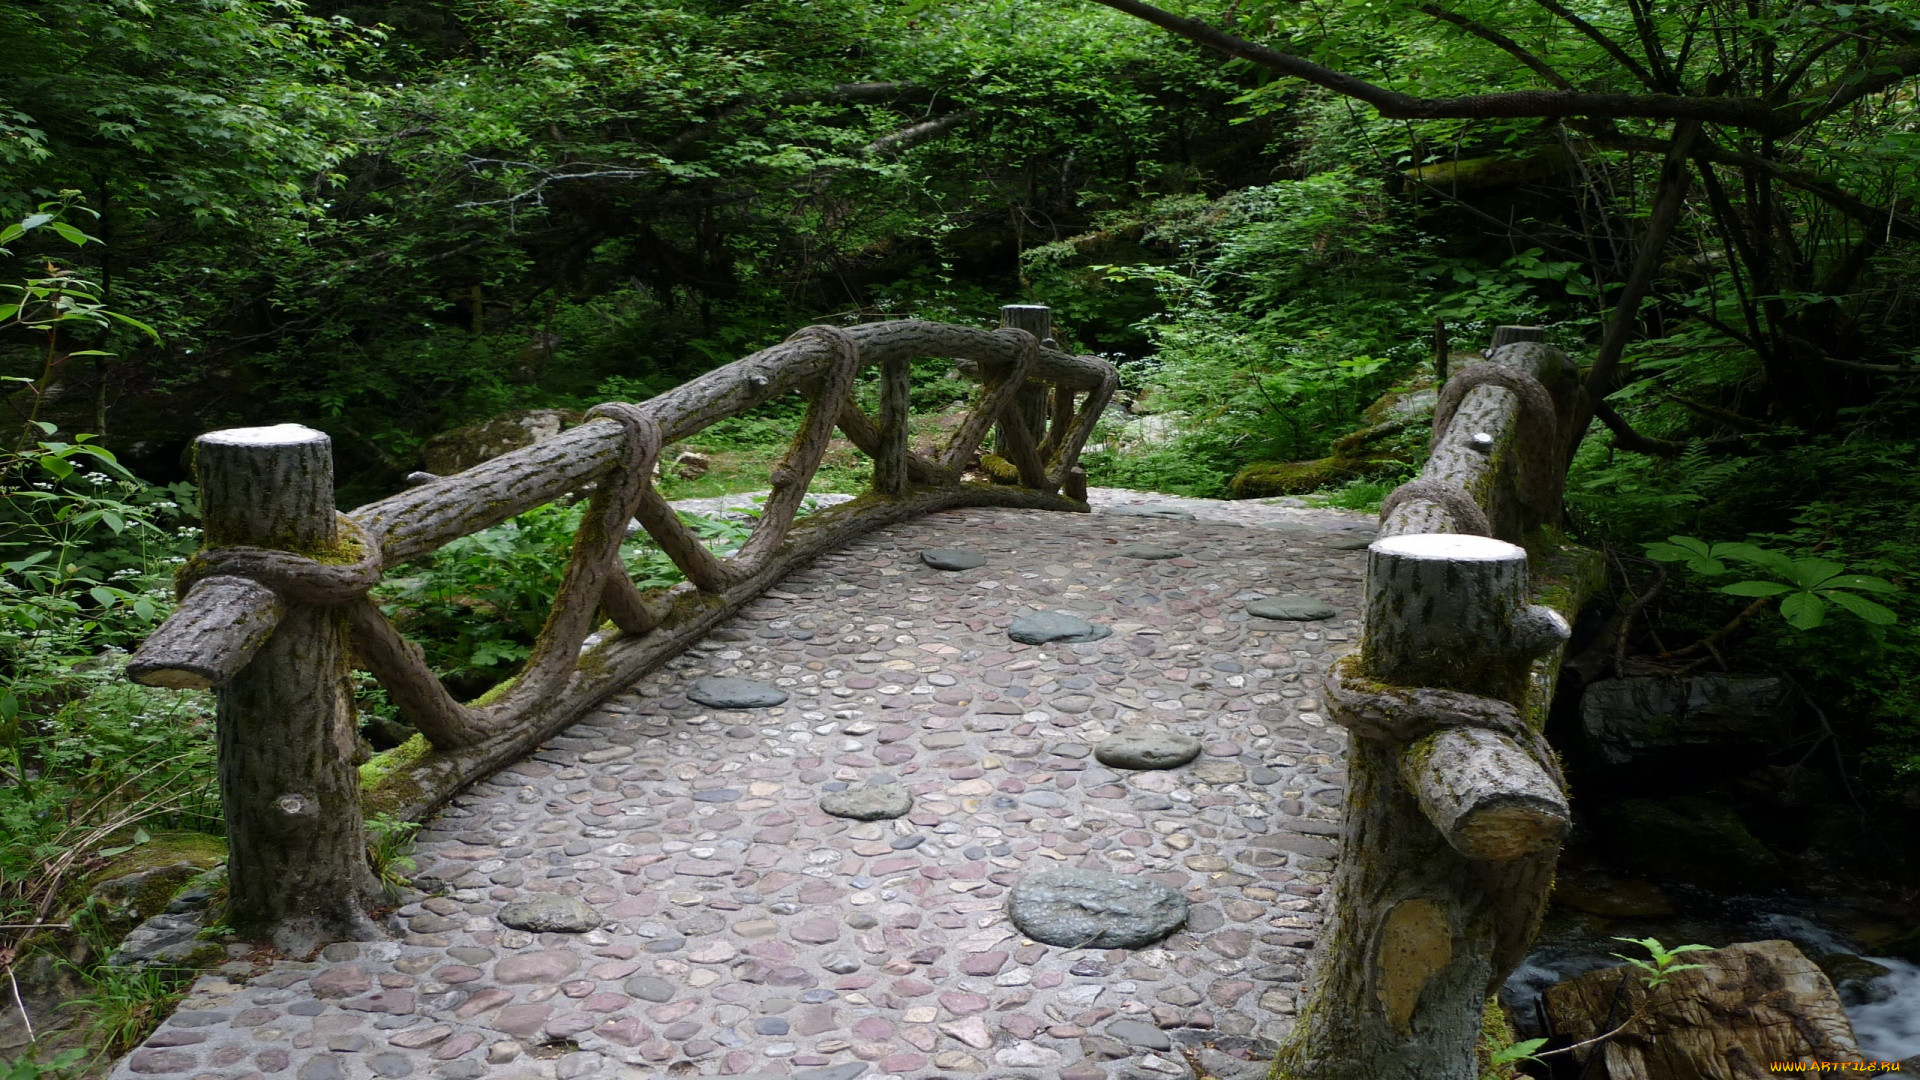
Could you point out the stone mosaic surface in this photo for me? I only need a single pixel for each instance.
(745, 932)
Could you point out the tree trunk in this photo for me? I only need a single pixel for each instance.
(1449, 842)
(297, 860)
(1031, 401)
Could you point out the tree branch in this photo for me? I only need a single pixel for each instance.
(1594, 35)
(1499, 40)
(1752, 114)
(1626, 438)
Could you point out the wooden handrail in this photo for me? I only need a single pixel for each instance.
(237, 599)
(1456, 807)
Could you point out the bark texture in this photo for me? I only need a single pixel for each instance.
(1030, 403)
(290, 792)
(1748, 1006)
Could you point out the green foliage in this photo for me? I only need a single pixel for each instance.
(1662, 963)
(1804, 586)
(123, 1005)
(29, 1067)
(389, 850)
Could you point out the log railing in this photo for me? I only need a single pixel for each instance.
(274, 609)
(1456, 807)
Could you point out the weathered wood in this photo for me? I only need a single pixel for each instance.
(297, 864)
(210, 636)
(1486, 794)
(1452, 611)
(1423, 916)
(999, 382)
(1489, 471)
(1747, 1007)
(413, 786)
(890, 470)
(1030, 403)
(1091, 409)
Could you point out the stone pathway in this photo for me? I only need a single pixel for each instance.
(747, 933)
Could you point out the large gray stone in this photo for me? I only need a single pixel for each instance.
(730, 693)
(1041, 627)
(1149, 551)
(1649, 715)
(551, 914)
(1076, 908)
(1350, 543)
(1146, 748)
(952, 559)
(1291, 608)
(868, 802)
(1138, 1033)
(1150, 510)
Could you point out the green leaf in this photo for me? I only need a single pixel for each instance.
(70, 234)
(1520, 1051)
(1863, 582)
(103, 596)
(1866, 609)
(1804, 611)
(1756, 588)
(1809, 573)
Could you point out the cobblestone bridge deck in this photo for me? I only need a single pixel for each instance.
(747, 933)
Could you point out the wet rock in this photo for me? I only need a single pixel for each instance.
(1291, 609)
(551, 914)
(1858, 980)
(952, 559)
(1076, 908)
(1146, 748)
(1041, 627)
(729, 693)
(1610, 897)
(1630, 719)
(868, 802)
(1691, 839)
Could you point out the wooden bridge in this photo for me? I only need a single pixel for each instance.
(631, 877)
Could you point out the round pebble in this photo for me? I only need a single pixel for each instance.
(1088, 909)
(868, 802)
(1291, 609)
(1146, 748)
(728, 693)
(952, 559)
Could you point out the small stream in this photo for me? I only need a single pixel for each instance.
(1885, 1011)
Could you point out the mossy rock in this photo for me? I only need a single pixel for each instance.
(1264, 479)
(1690, 839)
(1906, 946)
(136, 885)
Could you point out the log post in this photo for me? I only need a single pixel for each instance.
(1449, 841)
(1031, 400)
(890, 457)
(1513, 335)
(297, 857)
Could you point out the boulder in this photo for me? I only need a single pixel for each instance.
(1690, 839)
(1630, 719)
(692, 466)
(1746, 1006)
(1858, 980)
(462, 448)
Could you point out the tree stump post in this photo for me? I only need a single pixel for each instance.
(1455, 812)
(297, 857)
(890, 459)
(1031, 400)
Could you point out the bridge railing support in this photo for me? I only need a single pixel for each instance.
(275, 605)
(1456, 806)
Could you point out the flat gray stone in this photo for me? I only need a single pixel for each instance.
(1150, 551)
(729, 693)
(1291, 608)
(1138, 1033)
(650, 988)
(1040, 627)
(1349, 543)
(1152, 510)
(1076, 908)
(1146, 748)
(551, 914)
(952, 559)
(868, 802)
(833, 1072)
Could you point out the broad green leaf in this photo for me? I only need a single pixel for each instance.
(70, 234)
(1863, 582)
(1809, 573)
(1519, 1051)
(1804, 611)
(1866, 609)
(103, 596)
(1756, 588)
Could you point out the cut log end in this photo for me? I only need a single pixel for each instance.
(1486, 794)
(1514, 828)
(1449, 547)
